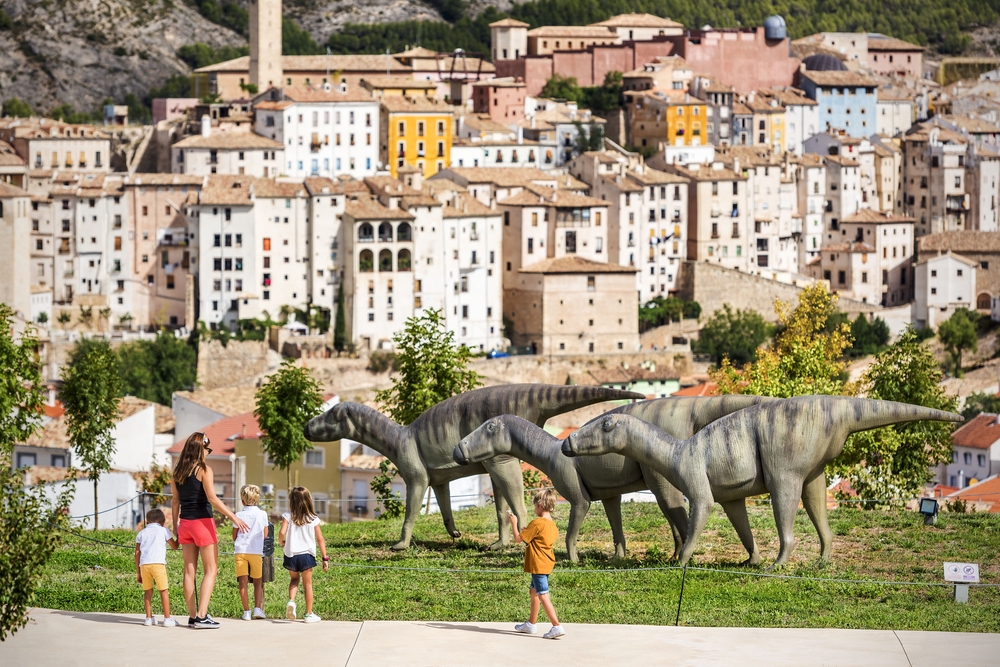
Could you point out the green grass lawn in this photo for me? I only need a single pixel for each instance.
(887, 546)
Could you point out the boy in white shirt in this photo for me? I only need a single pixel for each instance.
(248, 548)
(151, 564)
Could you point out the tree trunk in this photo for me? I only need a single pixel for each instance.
(95, 504)
(288, 482)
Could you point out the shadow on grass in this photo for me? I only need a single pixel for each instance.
(470, 628)
(97, 617)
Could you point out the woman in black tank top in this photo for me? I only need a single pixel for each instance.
(193, 488)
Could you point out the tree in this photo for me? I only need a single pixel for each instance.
(562, 88)
(732, 334)
(431, 368)
(86, 314)
(154, 369)
(979, 402)
(17, 108)
(894, 462)
(90, 392)
(105, 315)
(43, 317)
(285, 404)
(64, 318)
(604, 97)
(957, 334)
(392, 505)
(297, 42)
(588, 137)
(869, 337)
(125, 320)
(805, 358)
(340, 326)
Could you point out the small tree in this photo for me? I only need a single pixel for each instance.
(392, 505)
(285, 404)
(806, 358)
(90, 392)
(86, 314)
(340, 326)
(28, 519)
(105, 315)
(125, 320)
(895, 462)
(980, 402)
(64, 318)
(562, 88)
(431, 368)
(733, 334)
(43, 317)
(957, 334)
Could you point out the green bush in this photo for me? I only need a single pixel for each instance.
(381, 361)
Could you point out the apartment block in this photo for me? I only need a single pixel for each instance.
(226, 153)
(935, 181)
(811, 182)
(15, 285)
(51, 144)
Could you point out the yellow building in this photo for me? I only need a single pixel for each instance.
(677, 118)
(416, 131)
(768, 122)
(318, 470)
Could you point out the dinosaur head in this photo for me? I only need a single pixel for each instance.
(489, 440)
(334, 424)
(602, 435)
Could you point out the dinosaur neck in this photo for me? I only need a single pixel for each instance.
(371, 427)
(649, 445)
(531, 444)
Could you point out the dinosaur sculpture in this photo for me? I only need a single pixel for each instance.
(779, 447)
(605, 478)
(422, 451)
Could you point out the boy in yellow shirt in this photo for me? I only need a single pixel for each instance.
(539, 559)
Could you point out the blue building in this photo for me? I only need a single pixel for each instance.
(846, 100)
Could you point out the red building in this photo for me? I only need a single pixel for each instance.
(502, 99)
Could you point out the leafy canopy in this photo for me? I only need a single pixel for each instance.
(980, 402)
(431, 368)
(285, 404)
(735, 335)
(957, 334)
(805, 359)
(894, 462)
(154, 369)
(91, 388)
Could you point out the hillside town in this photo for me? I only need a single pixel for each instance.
(733, 166)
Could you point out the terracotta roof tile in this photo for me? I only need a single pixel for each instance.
(319, 94)
(868, 215)
(465, 206)
(369, 208)
(639, 20)
(986, 491)
(402, 82)
(840, 78)
(419, 104)
(341, 63)
(960, 242)
(650, 176)
(165, 419)
(703, 389)
(227, 401)
(360, 461)
(980, 432)
(587, 31)
(509, 23)
(228, 141)
(891, 44)
(850, 247)
(55, 433)
(223, 433)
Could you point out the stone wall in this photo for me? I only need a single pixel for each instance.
(236, 363)
(712, 286)
(556, 369)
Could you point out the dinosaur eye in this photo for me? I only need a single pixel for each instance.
(607, 425)
(491, 427)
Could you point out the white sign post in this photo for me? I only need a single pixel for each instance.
(962, 574)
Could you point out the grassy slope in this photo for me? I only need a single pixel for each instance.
(868, 545)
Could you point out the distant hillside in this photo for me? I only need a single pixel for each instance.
(78, 52)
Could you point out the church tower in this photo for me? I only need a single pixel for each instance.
(265, 44)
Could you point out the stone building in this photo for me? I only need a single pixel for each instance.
(980, 247)
(571, 305)
(935, 189)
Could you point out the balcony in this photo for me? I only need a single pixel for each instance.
(314, 146)
(953, 203)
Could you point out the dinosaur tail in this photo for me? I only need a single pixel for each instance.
(863, 414)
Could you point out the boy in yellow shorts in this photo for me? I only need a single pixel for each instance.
(249, 551)
(151, 564)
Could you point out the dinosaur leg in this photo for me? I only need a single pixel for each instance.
(671, 503)
(613, 508)
(577, 511)
(736, 510)
(784, 504)
(415, 488)
(700, 509)
(508, 491)
(814, 499)
(443, 494)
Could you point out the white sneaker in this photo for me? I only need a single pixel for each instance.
(526, 628)
(246, 615)
(169, 622)
(290, 610)
(554, 633)
(312, 618)
(149, 621)
(258, 613)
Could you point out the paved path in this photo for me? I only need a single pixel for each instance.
(65, 639)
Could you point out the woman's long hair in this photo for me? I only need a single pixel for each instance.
(300, 502)
(192, 458)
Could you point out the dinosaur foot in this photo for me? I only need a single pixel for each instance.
(455, 533)
(402, 545)
(754, 559)
(499, 544)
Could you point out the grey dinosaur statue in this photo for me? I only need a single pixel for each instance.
(422, 451)
(779, 447)
(605, 478)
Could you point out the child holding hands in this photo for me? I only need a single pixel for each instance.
(300, 531)
(248, 548)
(151, 564)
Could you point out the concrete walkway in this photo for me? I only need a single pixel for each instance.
(64, 639)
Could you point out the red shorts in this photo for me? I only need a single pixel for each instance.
(200, 532)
